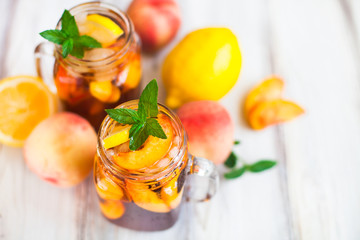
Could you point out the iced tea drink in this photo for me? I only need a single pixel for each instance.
(143, 189)
(105, 76)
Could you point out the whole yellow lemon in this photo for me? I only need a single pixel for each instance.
(205, 65)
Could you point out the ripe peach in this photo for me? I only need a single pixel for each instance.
(210, 129)
(61, 149)
(156, 22)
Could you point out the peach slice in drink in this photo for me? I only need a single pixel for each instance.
(112, 209)
(169, 193)
(273, 112)
(146, 198)
(108, 189)
(153, 149)
(270, 89)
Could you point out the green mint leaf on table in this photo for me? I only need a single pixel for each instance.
(123, 115)
(260, 166)
(231, 160)
(143, 121)
(238, 172)
(69, 37)
(237, 142)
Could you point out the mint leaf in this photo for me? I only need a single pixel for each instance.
(235, 173)
(87, 41)
(72, 43)
(231, 160)
(78, 51)
(67, 47)
(153, 128)
(261, 165)
(138, 136)
(237, 142)
(55, 36)
(143, 121)
(68, 24)
(123, 115)
(148, 100)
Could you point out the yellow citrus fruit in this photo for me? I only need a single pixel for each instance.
(101, 28)
(25, 102)
(205, 65)
(119, 137)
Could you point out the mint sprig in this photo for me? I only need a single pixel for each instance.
(143, 120)
(256, 167)
(69, 37)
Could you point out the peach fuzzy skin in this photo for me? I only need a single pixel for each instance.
(61, 149)
(156, 22)
(210, 129)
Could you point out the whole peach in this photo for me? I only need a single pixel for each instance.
(61, 149)
(156, 22)
(210, 129)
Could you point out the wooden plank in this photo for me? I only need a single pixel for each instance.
(251, 207)
(314, 53)
(7, 8)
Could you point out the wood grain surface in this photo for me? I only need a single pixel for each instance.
(314, 191)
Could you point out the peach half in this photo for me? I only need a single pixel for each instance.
(272, 112)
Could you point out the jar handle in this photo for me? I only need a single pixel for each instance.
(204, 179)
(44, 62)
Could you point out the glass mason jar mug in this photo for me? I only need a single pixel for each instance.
(105, 76)
(149, 198)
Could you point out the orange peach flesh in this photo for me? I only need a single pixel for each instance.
(153, 149)
(273, 112)
(109, 190)
(270, 89)
(112, 209)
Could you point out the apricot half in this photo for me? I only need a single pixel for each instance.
(112, 209)
(153, 149)
(272, 112)
(146, 198)
(270, 89)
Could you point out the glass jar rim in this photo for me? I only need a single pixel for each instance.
(84, 7)
(160, 173)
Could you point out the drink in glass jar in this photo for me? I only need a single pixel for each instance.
(144, 189)
(105, 76)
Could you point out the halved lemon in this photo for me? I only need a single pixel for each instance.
(101, 28)
(25, 102)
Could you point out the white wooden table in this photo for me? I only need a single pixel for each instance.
(313, 193)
